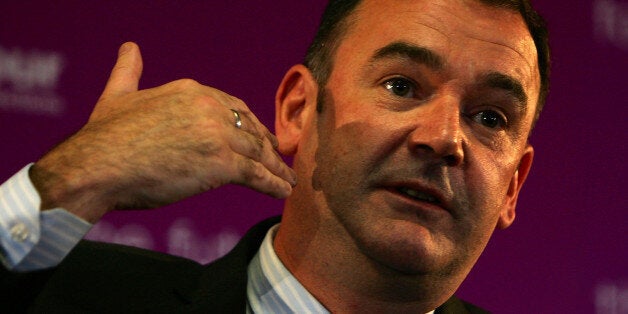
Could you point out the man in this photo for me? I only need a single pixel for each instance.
(408, 126)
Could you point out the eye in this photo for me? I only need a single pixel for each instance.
(490, 119)
(401, 87)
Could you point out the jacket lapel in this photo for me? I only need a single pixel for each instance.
(223, 282)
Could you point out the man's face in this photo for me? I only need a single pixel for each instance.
(421, 146)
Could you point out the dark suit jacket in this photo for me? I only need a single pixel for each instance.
(108, 278)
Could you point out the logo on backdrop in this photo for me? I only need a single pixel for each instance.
(28, 81)
(610, 20)
(611, 298)
(183, 239)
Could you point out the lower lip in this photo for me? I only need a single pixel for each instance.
(406, 203)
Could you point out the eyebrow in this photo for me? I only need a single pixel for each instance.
(415, 53)
(434, 61)
(507, 83)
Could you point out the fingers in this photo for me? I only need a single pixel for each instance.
(260, 150)
(256, 176)
(257, 163)
(250, 123)
(247, 155)
(126, 73)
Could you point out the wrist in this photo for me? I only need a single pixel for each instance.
(70, 188)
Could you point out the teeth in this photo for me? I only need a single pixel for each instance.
(418, 195)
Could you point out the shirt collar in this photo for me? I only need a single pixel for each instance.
(271, 288)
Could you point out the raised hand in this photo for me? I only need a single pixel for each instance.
(148, 148)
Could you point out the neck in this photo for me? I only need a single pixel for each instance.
(345, 280)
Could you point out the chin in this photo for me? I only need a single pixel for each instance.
(409, 250)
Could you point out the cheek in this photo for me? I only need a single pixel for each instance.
(344, 150)
(360, 135)
(488, 179)
(346, 156)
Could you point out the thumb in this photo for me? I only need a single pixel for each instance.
(126, 73)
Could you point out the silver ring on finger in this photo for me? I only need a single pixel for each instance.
(238, 120)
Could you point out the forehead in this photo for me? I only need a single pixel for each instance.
(470, 37)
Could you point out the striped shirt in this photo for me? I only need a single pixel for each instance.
(271, 287)
(30, 239)
(33, 240)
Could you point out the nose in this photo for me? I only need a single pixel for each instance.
(438, 133)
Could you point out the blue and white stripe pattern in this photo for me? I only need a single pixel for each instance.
(271, 287)
(30, 239)
(33, 240)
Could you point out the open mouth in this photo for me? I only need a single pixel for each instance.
(418, 195)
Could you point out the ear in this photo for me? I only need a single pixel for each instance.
(294, 102)
(507, 216)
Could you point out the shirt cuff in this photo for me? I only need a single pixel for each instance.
(31, 239)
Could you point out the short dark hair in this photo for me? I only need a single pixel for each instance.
(334, 24)
(336, 19)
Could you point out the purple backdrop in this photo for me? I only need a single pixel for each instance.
(566, 252)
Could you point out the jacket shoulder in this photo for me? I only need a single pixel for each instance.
(100, 276)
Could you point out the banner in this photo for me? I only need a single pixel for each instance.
(565, 253)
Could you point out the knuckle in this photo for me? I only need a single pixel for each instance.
(204, 102)
(186, 83)
(252, 172)
(121, 67)
(240, 104)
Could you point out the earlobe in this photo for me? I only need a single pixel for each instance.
(294, 101)
(508, 213)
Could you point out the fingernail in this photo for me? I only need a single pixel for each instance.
(284, 193)
(294, 178)
(126, 47)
